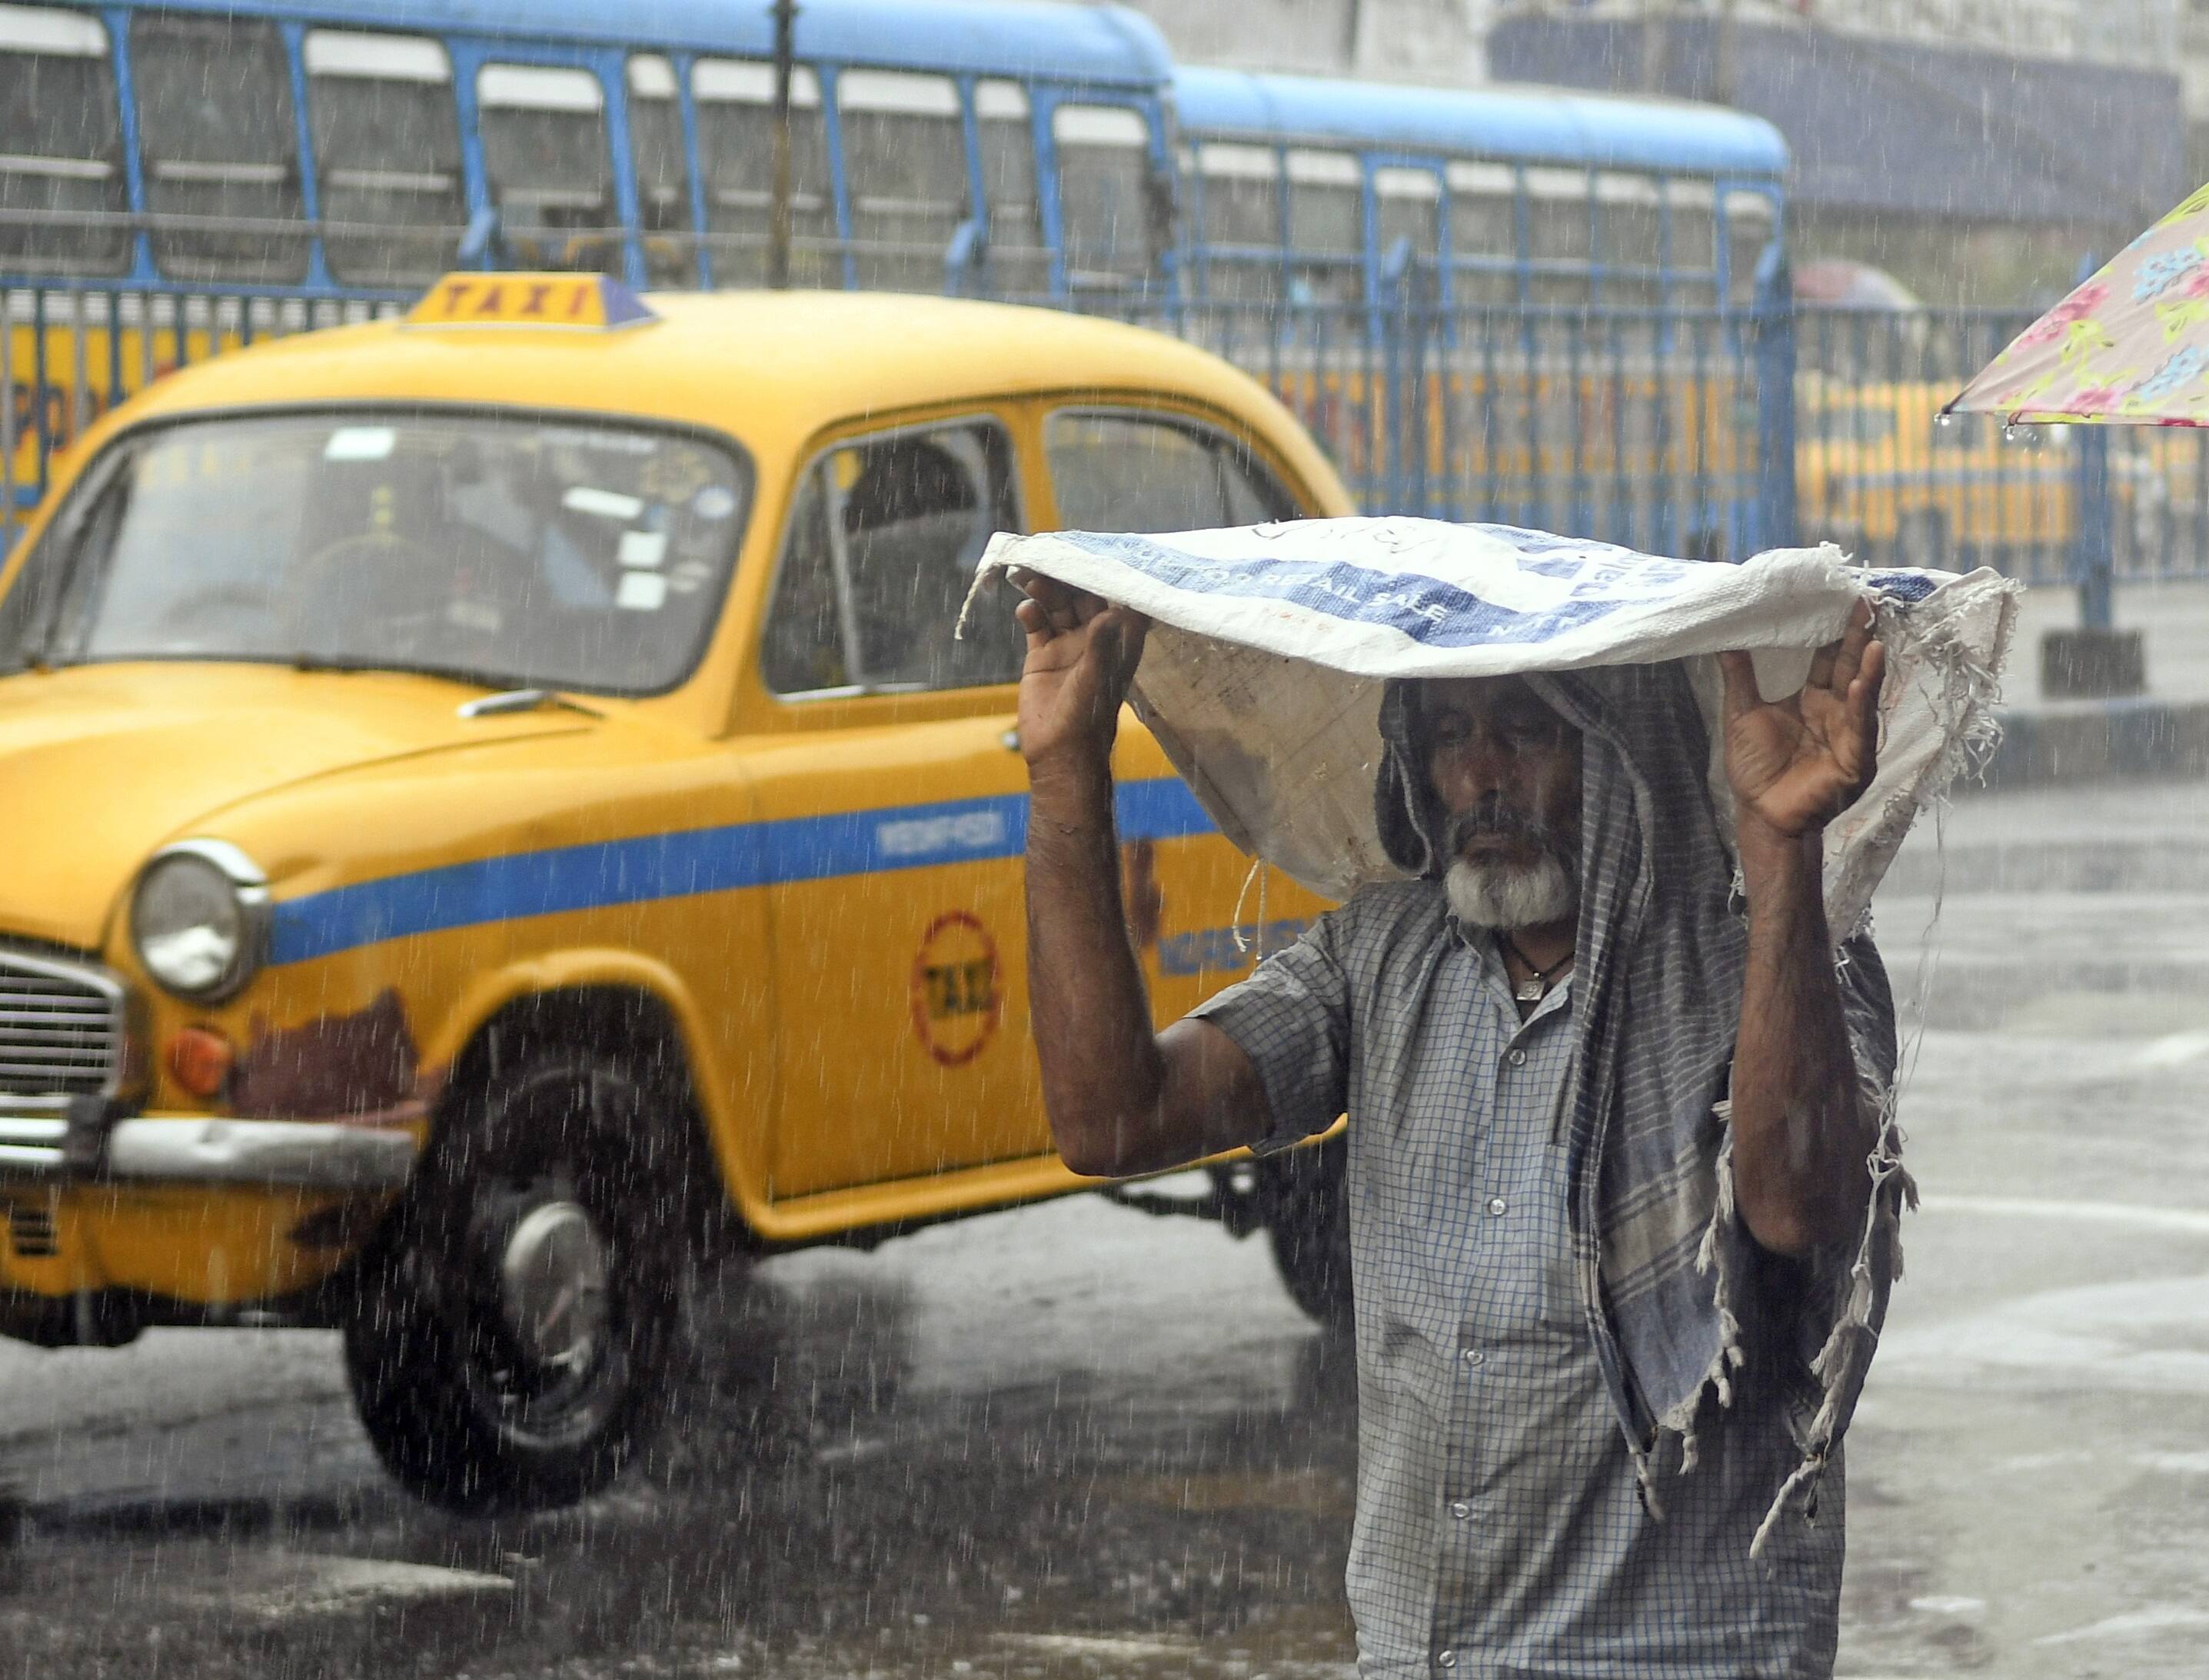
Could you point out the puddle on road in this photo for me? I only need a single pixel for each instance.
(812, 1515)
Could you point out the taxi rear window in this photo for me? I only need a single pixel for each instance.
(507, 549)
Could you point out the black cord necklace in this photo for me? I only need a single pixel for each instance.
(1535, 986)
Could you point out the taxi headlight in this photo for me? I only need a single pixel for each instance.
(199, 919)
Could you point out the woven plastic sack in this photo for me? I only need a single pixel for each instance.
(1269, 644)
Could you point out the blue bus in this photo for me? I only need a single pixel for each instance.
(334, 147)
(181, 177)
(1301, 190)
(1503, 303)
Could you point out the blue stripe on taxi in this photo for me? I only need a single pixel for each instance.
(694, 860)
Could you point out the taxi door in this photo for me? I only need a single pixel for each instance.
(896, 812)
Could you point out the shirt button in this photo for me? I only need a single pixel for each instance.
(1473, 1356)
(1460, 1509)
(1447, 1659)
(1518, 1058)
(1496, 1206)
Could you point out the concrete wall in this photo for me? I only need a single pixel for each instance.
(1397, 41)
(2143, 33)
(1976, 175)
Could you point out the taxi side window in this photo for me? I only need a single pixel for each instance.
(1122, 472)
(884, 538)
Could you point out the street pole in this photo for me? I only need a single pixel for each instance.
(1653, 45)
(778, 215)
(1722, 69)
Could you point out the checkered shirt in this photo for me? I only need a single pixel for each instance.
(1499, 1531)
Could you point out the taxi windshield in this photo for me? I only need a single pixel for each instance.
(503, 550)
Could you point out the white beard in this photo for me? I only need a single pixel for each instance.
(1503, 896)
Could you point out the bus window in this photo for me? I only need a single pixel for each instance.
(1019, 263)
(1109, 204)
(215, 125)
(544, 134)
(904, 168)
(663, 173)
(1483, 232)
(60, 145)
(1241, 223)
(1631, 222)
(736, 149)
(1326, 218)
(1407, 206)
(1748, 231)
(1694, 243)
(388, 154)
(1561, 232)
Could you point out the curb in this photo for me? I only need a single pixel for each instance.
(2091, 741)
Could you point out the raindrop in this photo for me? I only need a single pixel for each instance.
(1944, 419)
(2012, 433)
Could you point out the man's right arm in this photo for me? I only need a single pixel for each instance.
(1121, 1099)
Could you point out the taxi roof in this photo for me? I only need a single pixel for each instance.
(768, 368)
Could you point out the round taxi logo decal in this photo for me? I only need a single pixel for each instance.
(954, 988)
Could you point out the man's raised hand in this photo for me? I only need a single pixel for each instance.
(1083, 654)
(1796, 764)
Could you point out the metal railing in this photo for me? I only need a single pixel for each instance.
(1642, 426)
(1703, 432)
(1878, 472)
(70, 354)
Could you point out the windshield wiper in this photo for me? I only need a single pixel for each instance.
(521, 700)
(503, 699)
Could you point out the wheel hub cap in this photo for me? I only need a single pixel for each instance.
(552, 1284)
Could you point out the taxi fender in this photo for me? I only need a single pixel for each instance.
(736, 1148)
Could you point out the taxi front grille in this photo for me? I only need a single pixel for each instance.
(61, 1027)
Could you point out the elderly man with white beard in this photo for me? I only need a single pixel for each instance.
(1582, 1059)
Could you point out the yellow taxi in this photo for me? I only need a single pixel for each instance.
(496, 807)
(1878, 473)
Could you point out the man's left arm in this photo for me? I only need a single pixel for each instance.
(1803, 1130)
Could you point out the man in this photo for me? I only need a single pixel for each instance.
(1616, 1142)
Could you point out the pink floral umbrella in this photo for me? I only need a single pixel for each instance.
(2130, 346)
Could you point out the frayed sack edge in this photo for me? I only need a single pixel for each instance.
(1853, 1304)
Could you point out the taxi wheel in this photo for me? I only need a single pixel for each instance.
(1308, 1222)
(509, 1350)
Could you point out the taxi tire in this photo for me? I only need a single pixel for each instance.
(1307, 1226)
(425, 1345)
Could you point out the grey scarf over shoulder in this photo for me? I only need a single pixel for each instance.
(1683, 1305)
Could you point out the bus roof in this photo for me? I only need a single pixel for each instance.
(1092, 44)
(1543, 125)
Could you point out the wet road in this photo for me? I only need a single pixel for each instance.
(985, 1444)
(1071, 1440)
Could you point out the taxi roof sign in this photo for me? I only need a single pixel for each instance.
(574, 303)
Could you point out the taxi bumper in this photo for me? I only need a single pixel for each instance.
(86, 1145)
